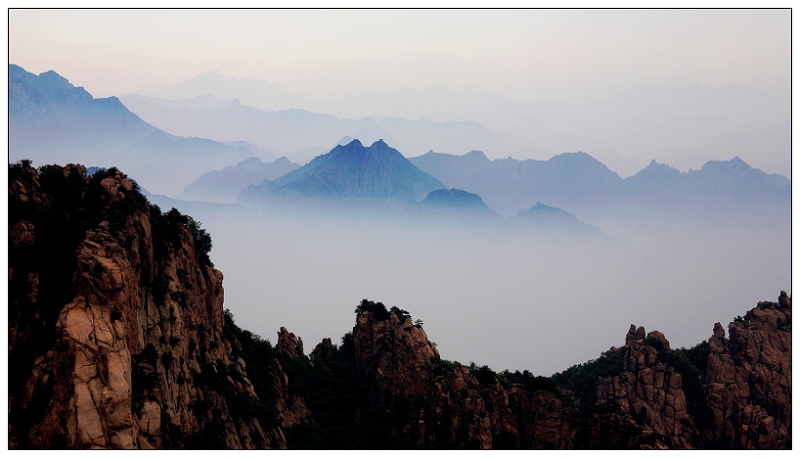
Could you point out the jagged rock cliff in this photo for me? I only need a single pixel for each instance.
(739, 397)
(750, 378)
(126, 347)
(118, 339)
(651, 389)
(441, 406)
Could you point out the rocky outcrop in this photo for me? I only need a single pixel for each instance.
(324, 349)
(650, 390)
(750, 378)
(646, 404)
(139, 358)
(544, 422)
(21, 233)
(395, 354)
(447, 404)
(398, 359)
(289, 343)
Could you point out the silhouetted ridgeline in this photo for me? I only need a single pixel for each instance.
(118, 339)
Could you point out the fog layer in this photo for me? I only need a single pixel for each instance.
(512, 299)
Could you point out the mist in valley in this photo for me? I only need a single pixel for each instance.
(506, 297)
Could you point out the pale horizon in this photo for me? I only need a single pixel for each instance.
(556, 55)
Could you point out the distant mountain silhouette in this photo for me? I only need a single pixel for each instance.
(684, 126)
(732, 182)
(578, 181)
(264, 95)
(565, 179)
(51, 121)
(454, 198)
(352, 172)
(222, 186)
(457, 202)
(46, 111)
(289, 130)
(552, 219)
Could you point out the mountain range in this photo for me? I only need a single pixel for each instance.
(292, 132)
(50, 119)
(577, 181)
(222, 186)
(352, 172)
(684, 126)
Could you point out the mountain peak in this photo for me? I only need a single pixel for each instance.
(475, 154)
(454, 198)
(353, 172)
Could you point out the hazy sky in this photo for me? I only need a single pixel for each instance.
(540, 54)
(561, 301)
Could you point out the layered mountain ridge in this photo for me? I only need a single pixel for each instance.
(578, 181)
(224, 185)
(117, 328)
(49, 119)
(351, 172)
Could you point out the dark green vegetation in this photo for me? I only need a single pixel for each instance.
(581, 379)
(691, 363)
(343, 417)
(380, 312)
(167, 233)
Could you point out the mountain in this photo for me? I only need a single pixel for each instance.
(580, 182)
(684, 125)
(47, 112)
(458, 203)
(566, 180)
(50, 121)
(294, 129)
(222, 186)
(119, 339)
(453, 198)
(256, 93)
(731, 182)
(351, 172)
(552, 219)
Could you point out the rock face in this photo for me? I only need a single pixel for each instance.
(449, 405)
(658, 399)
(650, 389)
(138, 357)
(440, 406)
(750, 378)
(289, 343)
